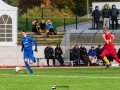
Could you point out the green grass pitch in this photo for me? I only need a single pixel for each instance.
(63, 78)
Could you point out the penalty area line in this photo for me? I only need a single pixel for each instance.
(61, 76)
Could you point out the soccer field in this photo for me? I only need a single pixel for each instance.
(63, 78)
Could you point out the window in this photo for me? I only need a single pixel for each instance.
(5, 28)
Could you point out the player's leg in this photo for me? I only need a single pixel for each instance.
(27, 65)
(26, 56)
(103, 55)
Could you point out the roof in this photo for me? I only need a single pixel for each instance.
(5, 7)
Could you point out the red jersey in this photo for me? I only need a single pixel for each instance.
(110, 45)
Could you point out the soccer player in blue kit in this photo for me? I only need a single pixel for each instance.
(27, 49)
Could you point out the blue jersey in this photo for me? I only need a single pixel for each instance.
(27, 43)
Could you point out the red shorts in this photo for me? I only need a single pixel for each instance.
(111, 52)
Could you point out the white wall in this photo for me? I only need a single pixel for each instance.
(12, 56)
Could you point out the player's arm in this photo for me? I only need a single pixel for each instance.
(113, 37)
(22, 47)
(35, 43)
(106, 41)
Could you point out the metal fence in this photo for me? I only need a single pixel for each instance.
(58, 23)
(88, 38)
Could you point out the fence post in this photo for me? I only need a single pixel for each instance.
(76, 18)
(42, 13)
(64, 24)
(27, 24)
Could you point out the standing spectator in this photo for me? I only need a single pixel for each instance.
(58, 54)
(92, 55)
(114, 13)
(96, 15)
(106, 16)
(50, 27)
(48, 51)
(42, 25)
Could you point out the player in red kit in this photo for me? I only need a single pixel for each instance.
(108, 47)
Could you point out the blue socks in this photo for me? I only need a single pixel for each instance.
(28, 67)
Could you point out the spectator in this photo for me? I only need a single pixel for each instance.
(50, 27)
(76, 54)
(96, 15)
(34, 29)
(48, 51)
(83, 51)
(99, 50)
(84, 55)
(58, 54)
(114, 13)
(118, 53)
(42, 25)
(92, 55)
(106, 16)
(71, 53)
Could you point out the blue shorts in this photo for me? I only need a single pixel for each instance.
(29, 55)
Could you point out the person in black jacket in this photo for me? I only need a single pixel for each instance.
(76, 54)
(42, 25)
(84, 55)
(118, 53)
(35, 24)
(106, 16)
(58, 54)
(114, 13)
(99, 50)
(96, 16)
(48, 51)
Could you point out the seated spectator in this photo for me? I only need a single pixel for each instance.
(42, 25)
(110, 58)
(49, 54)
(92, 55)
(118, 53)
(34, 29)
(84, 55)
(83, 51)
(99, 50)
(49, 27)
(71, 53)
(58, 54)
(76, 54)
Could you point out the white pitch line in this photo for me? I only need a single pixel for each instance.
(60, 76)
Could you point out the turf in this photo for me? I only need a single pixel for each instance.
(63, 78)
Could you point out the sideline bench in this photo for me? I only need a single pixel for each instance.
(67, 62)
